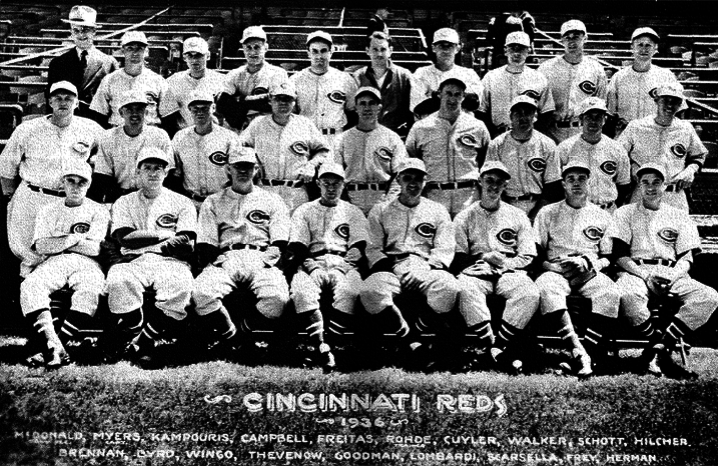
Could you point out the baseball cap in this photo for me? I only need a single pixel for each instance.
(331, 168)
(412, 164)
(239, 154)
(645, 31)
(152, 153)
(134, 96)
(81, 15)
(446, 35)
(75, 166)
(458, 81)
(196, 45)
(320, 35)
(575, 165)
(373, 91)
(132, 37)
(253, 32)
(200, 95)
(286, 88)
(592, 103)
(494, 166)
(519, 38)
(63, 86)
(651, 167)
(573, 25)
(523, 99)
(671, 90)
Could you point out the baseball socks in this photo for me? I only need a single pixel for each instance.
(53, 351)
(315, 331)
(506, 335)
(561, 321)
(597, 342)
(480, 338)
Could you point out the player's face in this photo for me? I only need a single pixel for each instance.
(652, 186)
(445, 52)
(492, 185)
(63, 103)
(331, 187)
(522, 117)
(451, 97)
(201, 112)
(668, 106)
(83, 36)
(133, 114)
(593, 121)
(320, 54)
(134, 53)
(282, 104)
(573, 41)
(368, 108)
(644, 48)
(412, 183)
(575, 184)
(151, 174)
(516, 54)
(379, 52)
(75, 188)
(195, 61)
(241, 173)
(254, 51)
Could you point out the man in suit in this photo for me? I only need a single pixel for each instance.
(84, 65)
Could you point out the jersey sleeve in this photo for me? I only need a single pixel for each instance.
(99, 224)
(176, 147)
(358, 228)
(541, 226)
(165, 145)
(445, 239)
(688, 238)
(12, 154)
(104, 163)
(546, 102)
(419, 89)
(563, 151)
(299, 231)
(351, 89)
(101, 100)
(612, 95)
(526, 238)
(620, 228)
(207, 230)
(623, 168)
(553, 166)
(485, 97)
(375, 248)
(602, 84)
(187, 215)
(249, 135)
(279, 224)
(605, 245)
(412, 143)
(461, 234)
(121, 214)
(229, 86)
(44, 223)
(492, 152)
(697, 152)
(170, 103)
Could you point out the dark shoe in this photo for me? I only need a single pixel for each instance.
(506, 362)
(325, 359)
(673, 369)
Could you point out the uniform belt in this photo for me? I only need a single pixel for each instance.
(197, 197)
(287, 183)
(402, 256)
(666, 262)
(330, 131)
(379, 186)
(568, 124)
(672, 187)
(525, 197)
(450, 185)
(51, 192)
(326, 251)
(240, 246)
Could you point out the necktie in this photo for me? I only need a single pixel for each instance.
(83, 60)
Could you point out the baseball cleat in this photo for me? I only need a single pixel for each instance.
(583, 361)
(672, 369)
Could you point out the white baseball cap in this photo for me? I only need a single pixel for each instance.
(78, 167)
(592, 103)
(523, 99)
(320, 35)
(286, 88)
(413, 164)
(446, 35)
(576, 165)
(573, 25)
(239, 154)
(81, 15)
(196, 45)
(645, 31)
(63, 86)
(147, 153)
(651, 167)
(200, 95)
(331, 168)
(519, 38)
(253, 32)
(373, 91)
(134, 96)
(495, 166)
(670, 90)
(132, 37)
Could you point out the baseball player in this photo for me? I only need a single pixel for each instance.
(609, 183)
(68, 232)
(502, 85)
(245, 94)
(328, 237)
(662, 138)
(494, 244)
(36, 151)
(453, 145)
(572, 77)
(134, 75)
(393, 82)
(572, 252)
(325, 95)
(201, 151)
(116, 165)
(174, 108)
(530, 157)
(289, 147)
(370, 153)
(155, 229)
(411, 245)
(654, 244)
(632, 90)
(243, 231)
(446, 45)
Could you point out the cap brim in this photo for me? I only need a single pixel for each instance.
(82, 23)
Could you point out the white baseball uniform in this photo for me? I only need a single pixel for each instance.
(506, 230)
(631, 93)
(570, 84)
(107, 98)
(170, 277)
(426, 80)
(451, 154)
(35, 151)
(370, 159)
(250, 223)
(240, 82)
(282, 151)
(180, 87)
(328, 232)
(666, 233)
(565, 231)
(81, 272)
(608, 162)
(675, 146)
(419, 239)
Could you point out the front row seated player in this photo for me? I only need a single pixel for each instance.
(328, 239)
(151, 244)
(494, 245)
(654, 244)
(68, 232)
(573, 250)
(243, 232)
(411, 245)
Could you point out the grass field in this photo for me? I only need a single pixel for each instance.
(226, 413)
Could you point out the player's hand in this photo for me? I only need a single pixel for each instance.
(553, 267)
(573, 264)
(495, 258)
(353, 255)
(411, 281)
(480, 269)
(684, 179)
(306, 172)
(271, 256)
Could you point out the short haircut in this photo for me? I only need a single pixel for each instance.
(380, 35)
